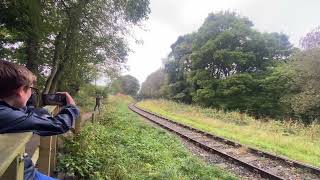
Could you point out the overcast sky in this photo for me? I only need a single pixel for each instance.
(172, 18)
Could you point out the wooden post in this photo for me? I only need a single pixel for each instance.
(16, 169)
(44, 160)
(47, 150)
(12, 148)
(78, 124)
(53, 160)
(56, 110)
(92, 117)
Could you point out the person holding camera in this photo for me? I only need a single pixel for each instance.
(98, 103)
(16, 86)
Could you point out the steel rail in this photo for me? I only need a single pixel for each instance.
(263, 173)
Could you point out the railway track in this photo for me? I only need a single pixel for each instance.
(265, 164)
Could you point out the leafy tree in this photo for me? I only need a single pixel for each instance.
(21, 22)
(311, 40)
(177, 66)
(62, 41)
(129, 85)
(95, 34)
(228, 65)
(152, 87)
(306, 101)
(115, 86)
(234, 47)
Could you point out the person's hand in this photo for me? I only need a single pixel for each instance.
(69, 99)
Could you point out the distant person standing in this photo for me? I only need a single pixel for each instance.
(98, 103)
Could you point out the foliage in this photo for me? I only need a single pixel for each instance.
(257, 94)
(129, 85)
(115, 86)
(126, 84)
(120, 146)
(311, 39)
(288, 138)
(176, 66)
(306, 101)
(66, 42)
(152, 86)
(228, 65)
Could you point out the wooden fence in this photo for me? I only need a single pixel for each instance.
(13, 146)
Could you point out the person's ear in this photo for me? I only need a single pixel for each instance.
(20, 91)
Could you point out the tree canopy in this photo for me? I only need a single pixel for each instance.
(229, 65)
(69, 38)
(311, 40)
(129, 85)
(305, 102)
(152, 86)
(225, 45)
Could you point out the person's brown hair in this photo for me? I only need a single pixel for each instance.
(13, 76)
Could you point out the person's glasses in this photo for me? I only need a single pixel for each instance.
(34, 90)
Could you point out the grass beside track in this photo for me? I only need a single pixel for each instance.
(121, 146)
(290, 139)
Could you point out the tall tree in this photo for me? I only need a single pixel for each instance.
(306, 101)
(99, 27)
(229, 65)
(311, 39)
(177, 66)
(67, 38)
(234, 47)
(152, 86)
(129, 85)
(22, 23)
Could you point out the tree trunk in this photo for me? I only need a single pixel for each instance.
(73, 30)
(57, 57)
(32, 54)
(56, 79)
(34, 35)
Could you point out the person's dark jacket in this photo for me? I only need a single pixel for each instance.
(38, 121)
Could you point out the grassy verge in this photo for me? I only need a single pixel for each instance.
(290, 139)
(121, 146)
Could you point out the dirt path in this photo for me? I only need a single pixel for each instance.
(85, 116)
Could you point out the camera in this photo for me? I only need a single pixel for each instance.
(54, 99)
(47, 99)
